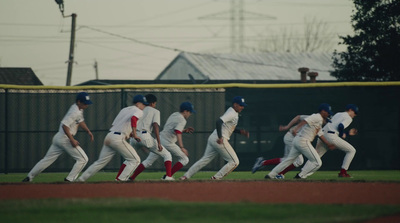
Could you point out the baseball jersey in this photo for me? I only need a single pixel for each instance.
(340, 117)
(230, 119)
(150, 116)
(72, 119)
(122, 123)
(312, 128)
(302, 117)
(175, 121)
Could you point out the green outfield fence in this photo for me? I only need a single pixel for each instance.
(30, 116)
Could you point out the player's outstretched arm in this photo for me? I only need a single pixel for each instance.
(290, 124)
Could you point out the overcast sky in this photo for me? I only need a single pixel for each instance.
(135, 39)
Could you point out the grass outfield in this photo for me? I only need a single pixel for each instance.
(367, 175)
(115, 210)
(150, 210)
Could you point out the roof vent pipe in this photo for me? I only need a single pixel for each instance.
(303, 72)
(313, 76)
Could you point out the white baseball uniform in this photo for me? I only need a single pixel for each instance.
(302, 145)
(144, 129)
(331, 133)
(288, 140)
(116, 141)
(61, 144)
(230, 120)
(175, 121)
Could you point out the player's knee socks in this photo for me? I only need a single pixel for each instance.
(120, 170)
(287, 169)
(138, 170)
(176, 167)
(274, 161)
(168, 165)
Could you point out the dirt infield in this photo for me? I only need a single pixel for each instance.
(220, 191)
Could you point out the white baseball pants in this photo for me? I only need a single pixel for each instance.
(61, 144)
(300, 146)
(340, 144)
(114, 143)
(288, 140)
(176, 151)
(151, 143)
(212, 150)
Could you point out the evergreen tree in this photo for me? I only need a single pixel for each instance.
(373, 53)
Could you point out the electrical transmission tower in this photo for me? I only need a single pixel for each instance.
(237, 16)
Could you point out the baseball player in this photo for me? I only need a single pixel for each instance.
(335, 134)
(123, 126)
(64, 140)
(288, 140)
(310, 127)
(172, 133)
(218, 142)
(148, 123)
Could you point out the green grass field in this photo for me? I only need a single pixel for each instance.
(368, 175)
(149, 210)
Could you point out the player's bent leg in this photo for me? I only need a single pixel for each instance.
(313, 159)
(299, 161)
(81, 160)
(132, 161)
(228, 154)
(52, 154)
(209, 154)
(106, 154)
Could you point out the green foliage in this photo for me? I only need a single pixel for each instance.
(373, 52)
(138, 210)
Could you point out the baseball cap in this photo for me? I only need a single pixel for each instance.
(187, 106)
(239, 100)
(84, 98)
(140, 98)
(325, 107)
(352, 107)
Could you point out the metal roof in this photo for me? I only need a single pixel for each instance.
(18, 76)
(249, 66)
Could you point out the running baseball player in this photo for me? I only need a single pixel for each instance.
(123, 127)
(172, 133)
(288, 140)
(150, 122)
(335, 134)
(64, 140)
(310, 127)
(218, 142)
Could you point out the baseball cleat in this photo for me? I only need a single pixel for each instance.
(26, 179)
(66, 180)
(346, 175)
(183, 178)
(297, 176)
(257, 164)
(280, 176)
(267, 177)
(167, 178)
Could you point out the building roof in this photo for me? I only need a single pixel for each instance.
(254, 66)
(18, 76)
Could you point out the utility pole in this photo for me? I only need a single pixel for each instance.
(237, 16)
(72, 43)
(96, 69)
(71, 50)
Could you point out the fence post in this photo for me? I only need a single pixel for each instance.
(6, 133)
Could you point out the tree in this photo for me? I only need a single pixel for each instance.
(316, 37)
(373, 53)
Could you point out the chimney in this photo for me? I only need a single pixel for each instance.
(303, 72)
(313, 76)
